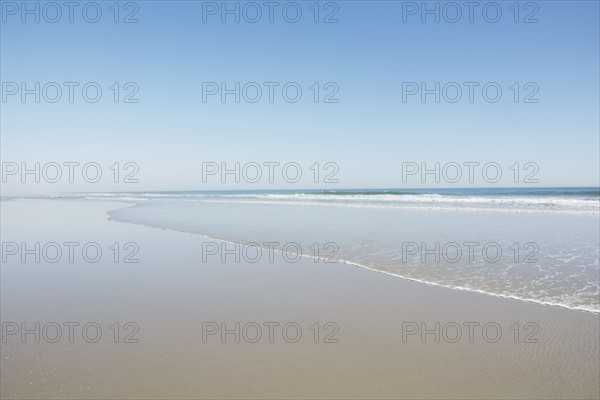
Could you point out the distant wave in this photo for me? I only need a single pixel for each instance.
(568, 192)
(554, 200)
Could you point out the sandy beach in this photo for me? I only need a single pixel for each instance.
(351, 199)
(367, 341)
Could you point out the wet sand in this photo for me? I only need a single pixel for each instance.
(171, 292)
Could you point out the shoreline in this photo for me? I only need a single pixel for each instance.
(357, 265)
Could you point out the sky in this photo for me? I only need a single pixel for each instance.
(361, 66)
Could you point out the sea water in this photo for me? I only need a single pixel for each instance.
(538, 245)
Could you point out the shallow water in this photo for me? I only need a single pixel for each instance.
(536, 245)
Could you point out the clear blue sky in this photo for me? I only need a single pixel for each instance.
(368, 54)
